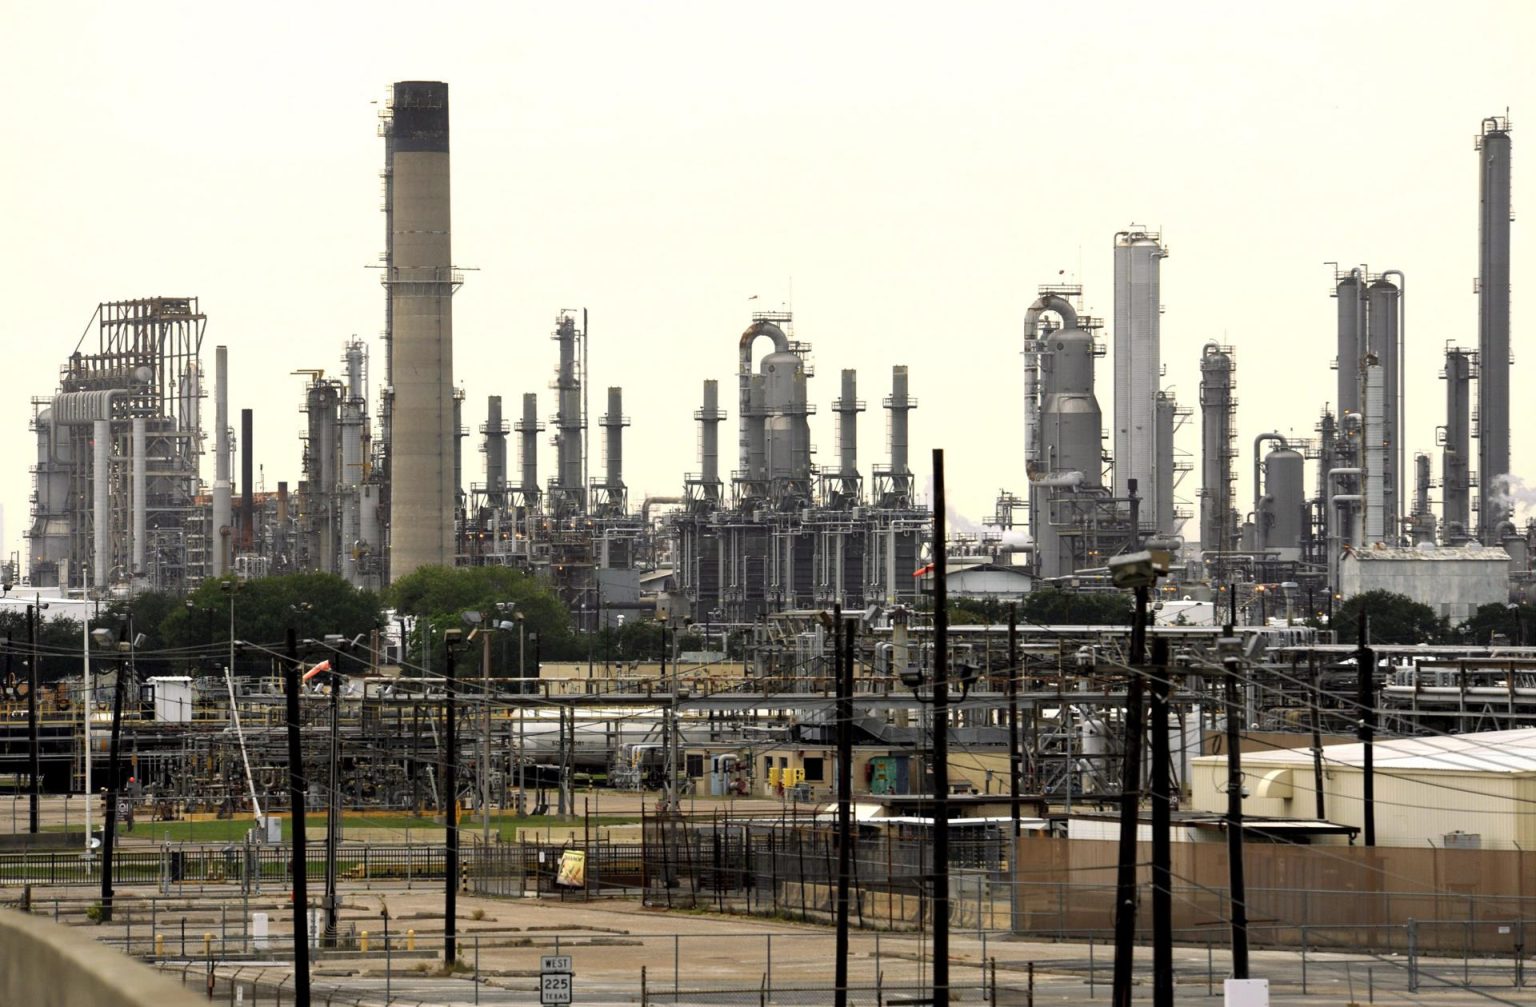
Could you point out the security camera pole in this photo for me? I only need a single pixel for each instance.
(296, 788)
(1230, 648)
(109, 830)
(1135, 571)
(451, 800)
(940, 742)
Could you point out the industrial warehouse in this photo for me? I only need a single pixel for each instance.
(384, 713)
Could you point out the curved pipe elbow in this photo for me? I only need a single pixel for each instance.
(1049, 302)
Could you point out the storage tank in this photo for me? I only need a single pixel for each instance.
(1071, 427)
(1284, 503)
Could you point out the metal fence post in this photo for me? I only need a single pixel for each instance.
(1303, 961)
(1413, 955)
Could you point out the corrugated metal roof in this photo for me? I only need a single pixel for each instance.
(1484, 752)
(1460, 553)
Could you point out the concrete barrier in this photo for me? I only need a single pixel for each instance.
(43, 964)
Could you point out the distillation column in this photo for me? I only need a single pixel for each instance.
(1350, 292)
(1217, 433)
(1138, 366)
(569, 422)
(222, 516)
(1455, 455)
(1383, 339)
(1493, 332)
(423, 434)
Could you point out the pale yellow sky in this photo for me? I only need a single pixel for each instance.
(907, 173)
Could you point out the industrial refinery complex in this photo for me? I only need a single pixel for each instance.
(816, 586)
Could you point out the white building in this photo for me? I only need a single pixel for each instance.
(1453, 582)
(1468, 789)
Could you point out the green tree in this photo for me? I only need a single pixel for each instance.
(1390, 618)
(436, 597)
(1516, 623)
(313, 605)
(1073, 608)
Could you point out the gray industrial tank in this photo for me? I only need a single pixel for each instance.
(1070, 420)
(1284, 502)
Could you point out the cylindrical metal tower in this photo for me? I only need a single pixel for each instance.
(1493, 332)
(1383, 342)
(528, 429)
(1455, 455)
(1163, 470)
(1423, 515)
(495, 431)
(569, 421)
(421, 283)
(613, 442)
(1351, 339)
(1283, 508)
(709, 418)
(848, 407)
(1218, 407)
(222, 515)
(1138, 366)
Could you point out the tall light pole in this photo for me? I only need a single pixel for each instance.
(86, 704)
(104, 638)
(451, 792)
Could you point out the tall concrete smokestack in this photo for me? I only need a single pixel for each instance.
(221, 489)
(423, 435)
(495, 431)
(614, 423)
(1493, 332)
(848, 407)
(709, 418)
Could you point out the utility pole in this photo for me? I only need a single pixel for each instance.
(35, 758)
(1015, 758)
(485, 736)
(300, 853)
(1365, 666)
(1162, 822)
(940, 740)
(842, 672)
(1238, 895)
(333, 814)
(450, 802)
(109, 832)
(1130, 803)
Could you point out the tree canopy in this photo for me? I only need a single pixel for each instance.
(435, 598)
(1391, 618)
(1072, 608)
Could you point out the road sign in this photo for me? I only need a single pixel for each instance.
(555, 963)
(555, 987)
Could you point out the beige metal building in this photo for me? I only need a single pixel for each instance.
(1472, 790)
(1453, 582)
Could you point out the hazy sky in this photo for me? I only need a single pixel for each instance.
(904, 174)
